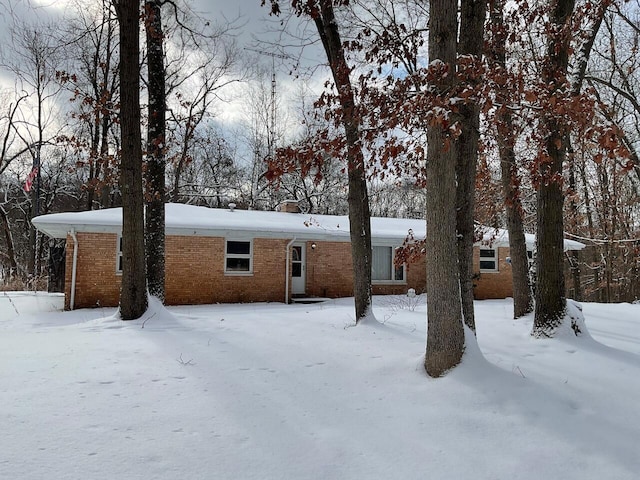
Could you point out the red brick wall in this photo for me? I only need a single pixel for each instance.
(329, 273)
(195, 272)
(97, 283)
(329, 270)
(493, 284)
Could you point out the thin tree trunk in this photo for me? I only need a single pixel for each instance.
(445, 332)
(521, 282)
(472, 15)
(591, 227)
(578, 79)
(133, 292)
(522, 294)
(11, 252)
(358, 197)
(574, 258)
(155, 218)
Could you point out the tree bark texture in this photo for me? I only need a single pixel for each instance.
(133, 291)
(358, 197)
(11, 251)
(445, 332)
(550, 306)
(522, 293)
(472, 15)
(56, 266)
(155, 171)
(576, 87)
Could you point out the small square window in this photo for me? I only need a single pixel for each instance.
(488, 260)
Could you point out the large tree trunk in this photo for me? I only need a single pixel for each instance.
(155, 218)
(522, 294)
(550, 289)
(472, 15)
(445, 332)
(359, 214)
(133, 291)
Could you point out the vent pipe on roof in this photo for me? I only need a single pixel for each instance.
(232, 206)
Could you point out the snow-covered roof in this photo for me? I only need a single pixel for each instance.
(500, 237)
(190, 220)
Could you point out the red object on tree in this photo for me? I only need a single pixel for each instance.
(29, 181)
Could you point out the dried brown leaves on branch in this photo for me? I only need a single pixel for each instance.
(396, 100)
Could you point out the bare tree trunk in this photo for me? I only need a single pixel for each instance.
(551, 304)
(56, 266)
(574, 257)
(591, 227)
(155, 218)
(550, 288)
(472, 15)
(445, 332)
(578, 79)
(11, 252)
(133, 292)
(359, 214)
(522, 294)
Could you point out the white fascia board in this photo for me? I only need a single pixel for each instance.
(249, 234)
(60, 230)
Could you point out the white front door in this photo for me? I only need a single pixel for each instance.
(298, 268)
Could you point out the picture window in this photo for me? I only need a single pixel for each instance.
(383, 268)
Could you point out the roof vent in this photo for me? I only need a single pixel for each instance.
(232, 206)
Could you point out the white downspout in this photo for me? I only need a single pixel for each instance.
(286, 271)
(74, 268)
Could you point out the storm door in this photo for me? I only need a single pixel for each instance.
(298, 268)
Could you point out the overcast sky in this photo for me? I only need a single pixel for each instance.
(256, 30)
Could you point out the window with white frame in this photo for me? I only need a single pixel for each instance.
(488, 260)
(238, 258)
(383, 269)
(119, 254)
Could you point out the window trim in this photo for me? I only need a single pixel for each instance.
(238, 255)
(392, 280)
(494, 259)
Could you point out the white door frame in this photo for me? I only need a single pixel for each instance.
(299, 283)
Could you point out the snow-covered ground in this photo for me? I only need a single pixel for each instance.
(273, 391)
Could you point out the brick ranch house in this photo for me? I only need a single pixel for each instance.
(230, 255)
